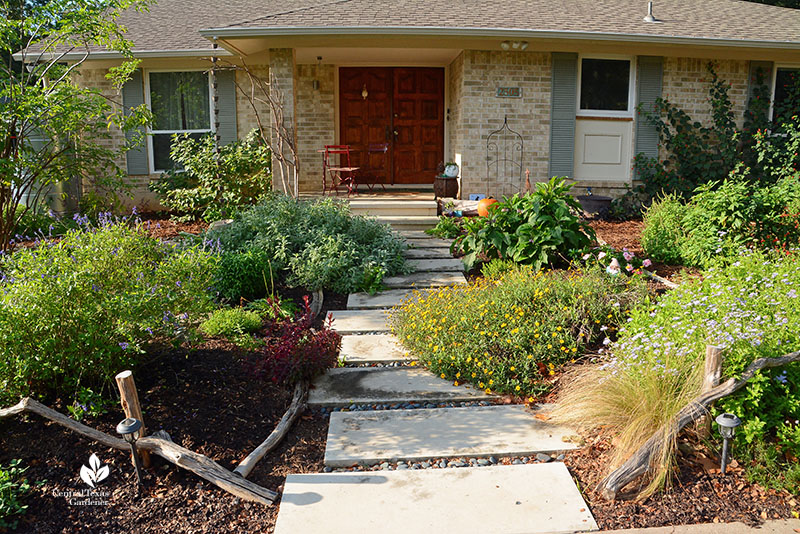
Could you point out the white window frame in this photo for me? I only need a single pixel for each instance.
(774, 81)
(151, 132)
(629, 113)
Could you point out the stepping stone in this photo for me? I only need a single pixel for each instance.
(428, 243)
(355, 321)
(372, 437)
(381, 348)
(379, 385)
(508, 499)
(438, 265)
(414, 234)
(384, 299)
(424, 280)
(427, 253)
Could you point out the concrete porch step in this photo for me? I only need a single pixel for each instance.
(508, 499)
(372, 348)
(427, 253)
(428, 243)
(357, 321)
(409, 222)
(398, 208)
(368, 438)
(428, 265)
(382, 385)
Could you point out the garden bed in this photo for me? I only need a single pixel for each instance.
(208, 402)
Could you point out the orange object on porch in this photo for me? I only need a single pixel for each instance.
(338, 170)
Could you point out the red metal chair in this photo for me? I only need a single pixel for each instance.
(338, 170)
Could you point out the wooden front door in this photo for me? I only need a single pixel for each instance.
(402, 108)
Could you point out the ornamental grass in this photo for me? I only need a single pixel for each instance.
(509, 334)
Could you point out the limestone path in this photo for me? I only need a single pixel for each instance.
(428, 450)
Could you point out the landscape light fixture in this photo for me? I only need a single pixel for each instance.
(130, 429)
(727, 427)
(516, 45)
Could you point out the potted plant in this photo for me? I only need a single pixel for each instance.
(445, 185)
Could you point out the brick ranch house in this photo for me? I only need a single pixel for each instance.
(433, 79)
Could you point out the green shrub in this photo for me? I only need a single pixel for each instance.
(76, 312)
(229, 322)
(13, 489)
(539, 229)
(38, 222)
(496, 268)
(750, 309)
(663, 231)
(508, 335)
(242, 275)
(313, 244)
(274, 307)
(446, 228)
(212, 186)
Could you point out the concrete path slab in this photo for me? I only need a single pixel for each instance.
(423, 280)
(515, 499)
(428, 253)
(355, 321)
(372, 437)
(438, 265)
(414, 234)
(384, 299)
(428, 243)
(359, 385)
(380, 348)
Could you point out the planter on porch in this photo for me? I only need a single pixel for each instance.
(445, 186)
(595, 204)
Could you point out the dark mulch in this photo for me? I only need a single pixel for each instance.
(208, 403)
(699, 494)
(160, 226)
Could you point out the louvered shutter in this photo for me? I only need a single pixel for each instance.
(650, 74)
(564, 98)
(226, 89)
(133, 96)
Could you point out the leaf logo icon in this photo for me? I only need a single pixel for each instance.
(96, 472)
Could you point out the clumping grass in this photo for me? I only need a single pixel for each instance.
(228, 322)
(749, 308)
(510, 333)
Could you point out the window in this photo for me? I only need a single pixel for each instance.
(605, 86)
(786, 101)
(180, 104)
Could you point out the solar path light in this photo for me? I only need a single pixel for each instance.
(130, 428)
(727, 427)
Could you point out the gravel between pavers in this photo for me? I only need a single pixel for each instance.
(448, 463)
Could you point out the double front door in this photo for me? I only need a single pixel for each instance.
(393, 120)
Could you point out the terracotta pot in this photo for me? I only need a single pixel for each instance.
(483, 206)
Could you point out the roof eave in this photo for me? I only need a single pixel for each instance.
(109, 54)
(232, 32)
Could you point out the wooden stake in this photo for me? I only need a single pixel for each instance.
(129, 399)
(711, 376)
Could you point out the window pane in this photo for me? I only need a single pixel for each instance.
(179, 100)
(787, 100)
(161, 146)
(605, 84)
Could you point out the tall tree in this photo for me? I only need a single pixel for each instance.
(52, 130)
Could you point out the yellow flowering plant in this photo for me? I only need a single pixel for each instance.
(510, 333)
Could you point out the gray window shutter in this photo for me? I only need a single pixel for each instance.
(650, 72)
(753, 85)
(133, 96)
(564, 101)
(226, 90)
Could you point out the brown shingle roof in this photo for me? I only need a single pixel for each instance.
(175, 24)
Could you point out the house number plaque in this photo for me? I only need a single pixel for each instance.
(509, 92)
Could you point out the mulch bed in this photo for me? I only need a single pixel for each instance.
(699, 493)
(160, 226)
(208, 403)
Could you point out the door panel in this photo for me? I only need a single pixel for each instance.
(366, 121)
(419, 123)
(409, 101)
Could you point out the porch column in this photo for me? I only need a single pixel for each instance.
(282, 83)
